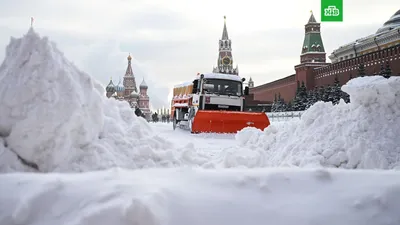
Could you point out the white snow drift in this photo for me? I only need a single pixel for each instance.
(362, 134)
(54, 117)
(57, 118)
(199, 197)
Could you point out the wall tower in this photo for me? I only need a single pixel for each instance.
(251, 83)
(312, 53)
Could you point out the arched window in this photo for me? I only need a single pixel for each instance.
(313, 47)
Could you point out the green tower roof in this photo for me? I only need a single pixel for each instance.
(312, 39)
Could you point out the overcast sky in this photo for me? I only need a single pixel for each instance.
(170, 41)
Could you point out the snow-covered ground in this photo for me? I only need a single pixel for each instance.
(56, 118)
(198, 197)
(207, 143)
(209, 150)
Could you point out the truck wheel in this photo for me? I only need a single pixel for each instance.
(190, 122)
(174, 123)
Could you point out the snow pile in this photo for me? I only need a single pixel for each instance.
(54, 117)
(362, 134)
(199, 197)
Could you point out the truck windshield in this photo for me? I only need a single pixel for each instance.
(223, 87)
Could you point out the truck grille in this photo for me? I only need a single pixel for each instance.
(226, 108)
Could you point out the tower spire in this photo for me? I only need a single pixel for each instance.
(312, 18)
(225, 59)
(129, 78)
(225, 31)
(129, 71)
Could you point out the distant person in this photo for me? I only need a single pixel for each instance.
(138, 112)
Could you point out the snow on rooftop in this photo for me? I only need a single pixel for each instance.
(221, 76)
(143, 84)
(211, 76)
(183, 84)
(363, 134)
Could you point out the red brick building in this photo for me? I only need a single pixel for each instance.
(371, 51)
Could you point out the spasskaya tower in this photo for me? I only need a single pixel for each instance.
(225, 59)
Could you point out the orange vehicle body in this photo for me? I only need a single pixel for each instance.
(228, 121)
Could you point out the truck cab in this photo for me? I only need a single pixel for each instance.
(219, 92)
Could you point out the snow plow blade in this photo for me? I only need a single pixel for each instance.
(210, 121)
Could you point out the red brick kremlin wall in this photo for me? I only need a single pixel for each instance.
(372, 62)
(266, 92)
(323, 74)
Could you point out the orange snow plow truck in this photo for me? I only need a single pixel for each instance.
(214, 103)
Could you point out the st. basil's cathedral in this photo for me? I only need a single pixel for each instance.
(127, 91)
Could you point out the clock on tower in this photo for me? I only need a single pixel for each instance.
(226, 60)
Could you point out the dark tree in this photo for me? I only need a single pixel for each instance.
(317, 93)
(336, 91)
(296, 100)
(321, 93)
(326, 95)
(274, 104)
(382, 70)
(277, 105)
(388, 70)
(296, 103)
(301, 99)
(361, 70)
(282, 104)
(289, 106)
(312, 98)
(303, 96)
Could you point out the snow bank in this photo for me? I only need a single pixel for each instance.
(199, 197)
(362, 134)
(54, 117)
